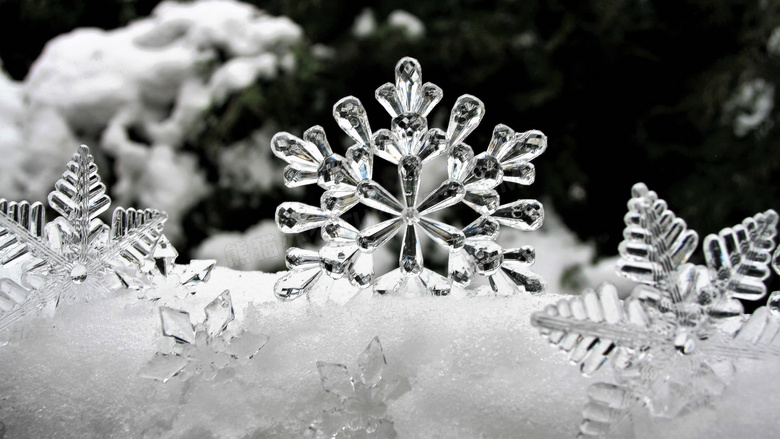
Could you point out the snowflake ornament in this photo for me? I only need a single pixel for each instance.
(362, 410)
(203, 349)
(409, 144)
(674, 341)
(76, 256)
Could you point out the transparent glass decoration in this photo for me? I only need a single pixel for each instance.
(362, 400)
(76, 256)
(409, 144)
(673, 343)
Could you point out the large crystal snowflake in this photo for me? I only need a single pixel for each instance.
(674, 341)
(409, 144)
(362, 410)
(75, 256)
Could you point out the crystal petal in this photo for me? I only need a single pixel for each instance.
(339, 230)
(295, 177)
(351, 117)
(502, 135)
(377, 235)
(430, 95)
(409, 174)
(435, 284)
(487, 256)
(197, 271)
(520, 173)
(372, 363)
(388, 146)
(296, 283)
(458, 161)
(218, 314)
(529, 281)
(166, 253)
(177, 324)
(460, 268)
(163, 367)
(410, 128)
(336, 258)
(483, 201)
(525, 255)
(443, 234)
(361, 273)
(411, 259)
(521, 214)
(482, 228)
(316, 136)
(360, 159)
(386, 96)
(408, 79)
(372, 194)
(389, 282)
(294, 217)
(336, 379)
(432, 145)
(298, 258)
(336, 201)
(484, 172)
(335, 172)
(246, 345)
(448, 193)
(295, 151)
(526, 147)
(465, 116)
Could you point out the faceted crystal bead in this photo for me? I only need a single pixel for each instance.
(295, 151)
(483, 201)
(529, 281)
(465, 116)
(377, 235)
(484, 172)
(521, 214)
(335, 172)
(410, 128)
(411, 260)
(526, 147)
(294, 177)
(177, 324)
(297, 258)
(482, 228)
(434, 283)
(360, 159)
(336, 258)
(432, 145)
(430, 95)
(218, 314)
(294, 217)
(361, 273)
(296, 283)
(389, 99)
(487, 256)
(351, 117)
(520, 173)
(460, 268)
(338, 201)
(523, 255)
(316, 136)
(388, 146)
(502, 135)
(443, 234)
(448, 193)
(408, 78)
(409, 174)
(373, 195)
(390, 282)
(458, 161)
(339, 230)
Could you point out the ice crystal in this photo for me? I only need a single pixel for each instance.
(674, 341)
(76, 256)
(362, 410)
(203, 349)
(173, 281)
(409, 144)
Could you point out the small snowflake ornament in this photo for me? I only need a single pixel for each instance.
(203, 349)
(76, 256)
(362, 410)
(409, 145)
(674, 341)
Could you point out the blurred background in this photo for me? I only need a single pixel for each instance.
(179, 100)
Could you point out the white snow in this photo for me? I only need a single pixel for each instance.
(750, 106)
(773, 45)
(261, 247)
(412, 27)
(365, 24)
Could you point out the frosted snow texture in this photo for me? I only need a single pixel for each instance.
(674, 341)
(362, 409)
(76, 256)
(471, 179)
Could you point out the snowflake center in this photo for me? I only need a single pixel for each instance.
(410, 215)
(78, 273)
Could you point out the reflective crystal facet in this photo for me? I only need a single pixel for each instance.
(458, 161)
(411, 259)
(377, 235)
(218, 314)
(373, 195)
(352, 118)
(522, 214)
(466, 115)
(388, 146)
(450, 192)
(409, 173)
(292, 217)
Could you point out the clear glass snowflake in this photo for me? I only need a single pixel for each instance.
(362, 410)
(674, 341)
(76, 256)
(409, 144)
(203, 349)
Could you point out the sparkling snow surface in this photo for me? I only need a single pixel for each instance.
(477, 369)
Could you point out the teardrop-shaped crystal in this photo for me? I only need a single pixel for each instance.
(432, 145)
(411, 259)
(526, 147)
(294, 217)
(525, 255)
(521, 214)
(487, 256)
(460, 268)
(520, 173)
(334, 172)
(335, 258)
(434, 283)
(408, 79)
(483, 201)
(360, 159)
(502, 135)
(339, 230)
(361, 273)
(409, 174)
(410, 128)
(389, 283)
(484, 172)
(351, 117)
(443, 234)
(458, 161)
(301, 258)
(386, 96)
(294, 150)
(377, 235)
(465, 116)
(448, 193)
(295, 176)
(388, 146)
(529, 281)
(430, 95)
(296, 283)
(372, 194)
(338, 201)
(372, 363)
(316, 136)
